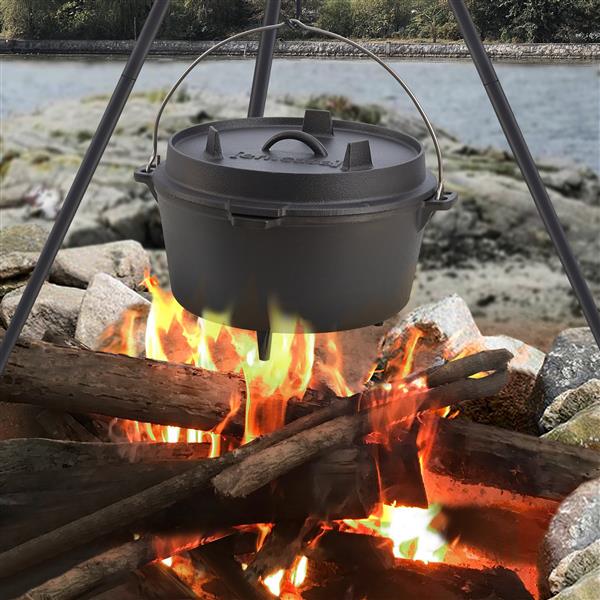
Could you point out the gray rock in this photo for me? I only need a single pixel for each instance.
(55, 312)
(575, 526)
(129, 220)
(443, 329)
(587, 588)
(160, 267)
(22, 238)
(510, 408)
(126, 261)
(9, 285)
(573, 360)
(569, 403)
(13, 195)
(108, 302)
(15, 268)
(14, 264)
(574, 567)
(581, 430)
(88, 230)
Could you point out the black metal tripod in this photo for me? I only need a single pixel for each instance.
(260, 86)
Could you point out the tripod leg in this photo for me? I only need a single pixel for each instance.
(264, 61)
(527, 165)
(84, 176)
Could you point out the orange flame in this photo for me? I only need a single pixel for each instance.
(175, 335)
(284, 584)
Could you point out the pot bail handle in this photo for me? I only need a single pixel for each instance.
(306, 138)
(296, 24)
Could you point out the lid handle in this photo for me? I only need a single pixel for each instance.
(310, 140)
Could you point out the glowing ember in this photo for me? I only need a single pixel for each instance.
(273, 582)
(287, 582)
(409, 529)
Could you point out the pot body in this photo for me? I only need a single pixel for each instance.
(334, 273)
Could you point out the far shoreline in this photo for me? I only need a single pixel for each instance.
(306, 49)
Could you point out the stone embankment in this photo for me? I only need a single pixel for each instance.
(307, 48)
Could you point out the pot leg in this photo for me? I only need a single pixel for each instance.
(264, 344)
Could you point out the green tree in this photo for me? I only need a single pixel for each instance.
(336, 16)
(28, 18)
(378, 18)
(430, 18)
(489, 17)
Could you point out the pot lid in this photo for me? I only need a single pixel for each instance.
(314, 166)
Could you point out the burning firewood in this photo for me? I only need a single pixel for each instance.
(335, 422)
(114, 564)
(80, 381)
(418, 580)
(219, 558)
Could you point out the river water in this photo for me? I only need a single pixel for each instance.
(557, 104)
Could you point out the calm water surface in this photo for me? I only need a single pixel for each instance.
(558, 105)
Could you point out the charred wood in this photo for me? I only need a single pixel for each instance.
(239, 473)
(219, 559)
(418, 580)
(472, 453)
(159, 582)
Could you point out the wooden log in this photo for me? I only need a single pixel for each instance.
(218, 558)
(91, 574)
(258, 468)
(472, 453)
(409, 579)
(281, 547)
(353, 551)
(159, 582)
(343, 483)
(322, 430)
(77, 380)
(35, 455)
(150, 501)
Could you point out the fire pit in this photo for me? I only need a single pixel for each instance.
(228, 477)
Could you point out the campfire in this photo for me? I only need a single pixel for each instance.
(211, 474)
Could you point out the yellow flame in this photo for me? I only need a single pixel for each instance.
(296, 576)
(408, 528)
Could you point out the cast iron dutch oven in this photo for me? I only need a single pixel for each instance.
(311, 218)
(270, 220)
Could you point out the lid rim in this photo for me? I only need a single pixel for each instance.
(292, 176)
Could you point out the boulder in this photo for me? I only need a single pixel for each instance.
(569, 403)
(574, 527)
(510, 408)
(54, 313)
(581, 430)
(574, 567)
(586, 588)
(430, 333)
(107, 305)
(126, 261)
(573, 360)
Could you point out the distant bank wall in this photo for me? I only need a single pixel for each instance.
(586, 52)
